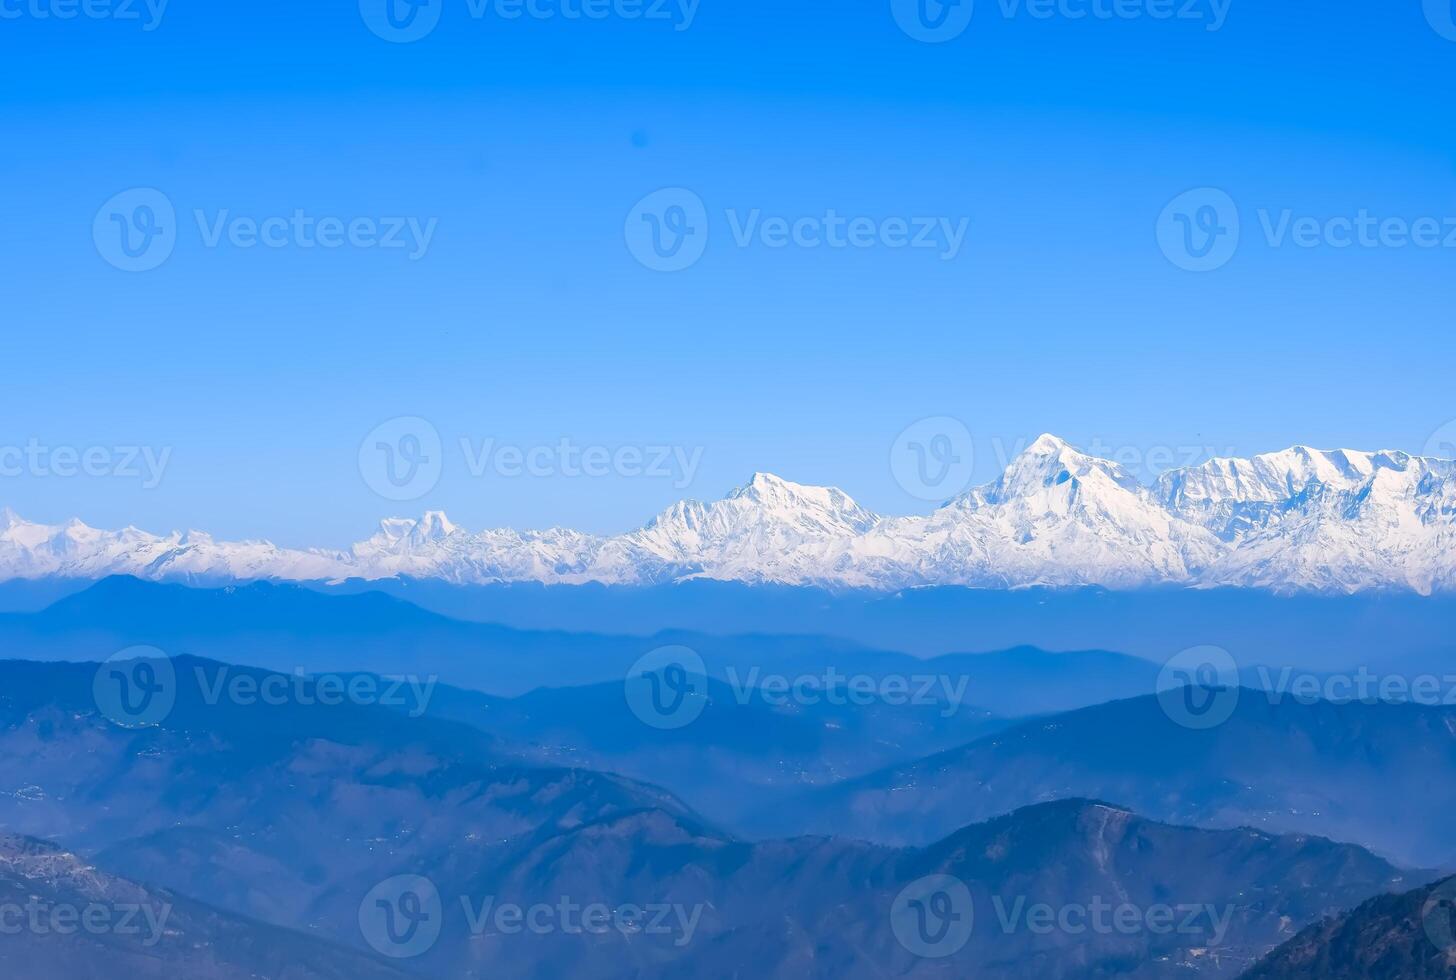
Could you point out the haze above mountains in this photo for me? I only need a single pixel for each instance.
(1300, 520)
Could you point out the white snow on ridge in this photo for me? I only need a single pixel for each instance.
(1296, 520)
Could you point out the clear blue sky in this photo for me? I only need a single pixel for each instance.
(528, 319)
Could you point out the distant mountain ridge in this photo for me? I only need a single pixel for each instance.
(148, 933)
(1283, 767)
(289, 627)
(293, 814)
(1390, 937)
(1300, 520)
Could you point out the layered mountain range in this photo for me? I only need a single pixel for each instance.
(142, 932)
(288, 816)
(1300, 520)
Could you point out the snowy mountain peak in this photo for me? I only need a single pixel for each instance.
(1048, 444)
(394, 528)
(1233, 497)
(769, 484)
(434, 526)
(793, 502)
(1297, 519)
(406, 536)
(765, 487)
(767, 512)
(1049, 455)
(1050, 463)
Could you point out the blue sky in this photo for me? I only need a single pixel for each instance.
(525, 144)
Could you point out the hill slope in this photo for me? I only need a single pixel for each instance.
(1287, 767)
(1391, 937)
(68, 919)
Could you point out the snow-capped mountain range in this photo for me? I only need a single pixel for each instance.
(1297, 520)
